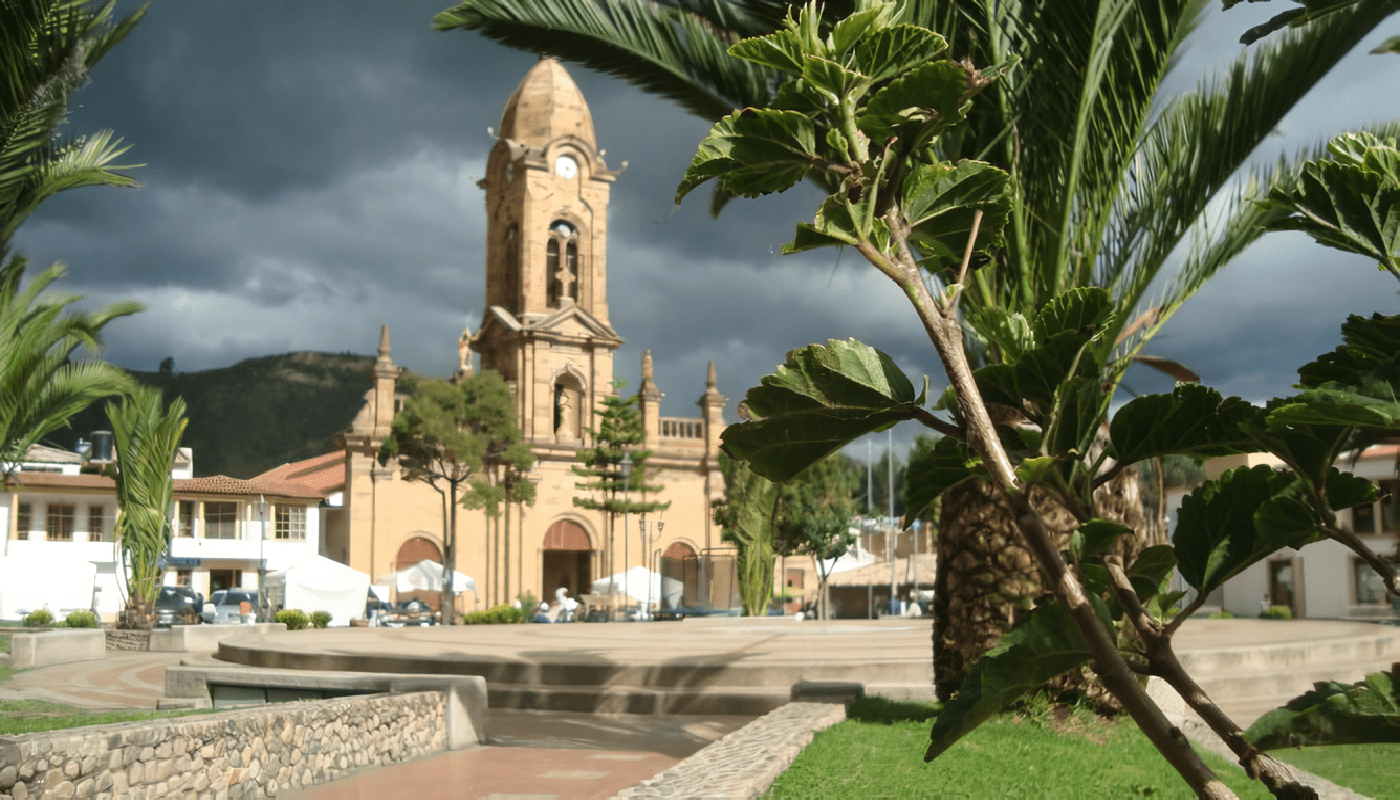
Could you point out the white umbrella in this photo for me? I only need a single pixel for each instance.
(426, 576)
(635, 582)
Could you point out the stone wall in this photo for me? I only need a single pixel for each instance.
(127, 640)
(248, 753)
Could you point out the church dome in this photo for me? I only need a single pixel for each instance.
(546, 106)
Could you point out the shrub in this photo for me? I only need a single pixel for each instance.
(39, 619)
(293, 618)
(320, 619)
(1277, 612)
(1221, 614)
(81, 619)
(500, 615)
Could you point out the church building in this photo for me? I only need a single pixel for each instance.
(546, 330)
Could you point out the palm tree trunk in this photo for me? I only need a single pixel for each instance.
(986, 578)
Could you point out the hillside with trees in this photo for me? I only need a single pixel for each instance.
(256, 414)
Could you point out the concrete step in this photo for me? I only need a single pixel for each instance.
(711, 701)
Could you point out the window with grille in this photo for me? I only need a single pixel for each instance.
(59, 526)
(220, 520)
(290, 522)
(97, 525)
(24, 520)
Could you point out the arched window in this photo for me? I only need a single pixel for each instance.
(551, 266)
(512, 269)
(562, 278)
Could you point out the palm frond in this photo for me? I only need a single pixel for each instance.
(673, 51)
(1199, 141)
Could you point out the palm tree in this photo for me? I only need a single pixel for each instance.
(1109, 179)
(146, 434)
(40, 386)
(46, 50)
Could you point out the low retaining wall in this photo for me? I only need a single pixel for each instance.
(205, 638)
(57, 647)
(466, 694)
(249, 753)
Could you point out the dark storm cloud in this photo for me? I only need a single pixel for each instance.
(311, 173)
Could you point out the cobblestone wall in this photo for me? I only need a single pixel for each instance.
(128, 640)
(235, 754)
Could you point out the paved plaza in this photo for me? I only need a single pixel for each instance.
(562, 754)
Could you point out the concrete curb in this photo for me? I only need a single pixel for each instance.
(746, 762)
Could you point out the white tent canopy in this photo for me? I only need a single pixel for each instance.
(635, 582)
(320, 584)
(426, 576)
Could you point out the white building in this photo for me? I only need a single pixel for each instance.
(1323, 580)
(59, 524)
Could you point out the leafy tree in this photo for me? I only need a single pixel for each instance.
(443, 437)
(617, 433)
(746, 520)
(863, 105)
(812, 517)
(146, 434)
(504, 484)
(1107, 178)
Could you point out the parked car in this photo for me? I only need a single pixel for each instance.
(225, 606)
(178, 605)
(410, 612)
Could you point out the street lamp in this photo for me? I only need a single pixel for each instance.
(626, 535)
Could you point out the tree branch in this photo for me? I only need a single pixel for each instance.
(946, 334)
(1281, 780)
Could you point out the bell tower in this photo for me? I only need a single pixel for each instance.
(546, 326)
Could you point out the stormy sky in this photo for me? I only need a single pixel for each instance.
(311, 173)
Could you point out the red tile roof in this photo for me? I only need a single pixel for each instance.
(222, 484)
(217, 484)
(324, 473)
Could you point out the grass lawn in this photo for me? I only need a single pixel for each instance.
(33, 716)
(1371, 769)
(879, 752)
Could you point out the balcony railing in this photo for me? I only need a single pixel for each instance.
(682, 428)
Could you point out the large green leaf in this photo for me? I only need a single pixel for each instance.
(781, 50)
(823, 397)
(1192, 419)
(1083, 311)
(1230, 523)
(757, 151)
(1030, 385)
(1045, 644)
(1351, 202)
(940, 202)
(891, 51)
(932, 96)
(1332, 713)
(932, 472)
(1367, 344)
(1007, 331)
(1151, 569)
(1355, 385)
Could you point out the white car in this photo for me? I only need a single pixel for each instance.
(225, 607)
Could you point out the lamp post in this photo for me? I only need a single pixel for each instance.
(626, 534)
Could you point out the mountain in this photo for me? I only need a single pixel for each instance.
(257, 414)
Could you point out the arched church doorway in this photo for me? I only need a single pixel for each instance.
(680, 576)
(567, 560)
(411, 552)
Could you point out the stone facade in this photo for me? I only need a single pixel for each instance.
(546, 330)
(236, 754)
